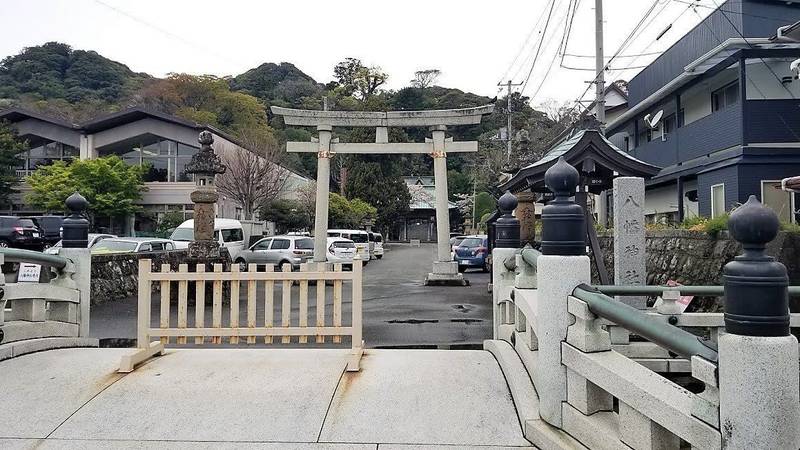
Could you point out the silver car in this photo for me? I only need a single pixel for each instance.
(280, 250)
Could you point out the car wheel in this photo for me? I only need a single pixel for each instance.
(280, 266)
(242, 264)
(486, 267)
(462, 268)
(379, 256)
(3, 244)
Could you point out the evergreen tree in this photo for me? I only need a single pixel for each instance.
(10, 148)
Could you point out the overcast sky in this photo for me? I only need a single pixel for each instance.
(473, 43)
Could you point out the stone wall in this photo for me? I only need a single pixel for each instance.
(116, 276)
(695, 258)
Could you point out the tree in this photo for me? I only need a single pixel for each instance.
(385, 191)
(254, 176)
(10, 147)
(288, 215)
(346, 213)
(111, 187)
(425, 78)
(358, 80)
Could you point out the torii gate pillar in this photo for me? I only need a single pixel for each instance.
(445, 271)
(323, 189)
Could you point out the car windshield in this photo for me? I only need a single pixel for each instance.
(359, 237)
(183, 234)
(344, 244)
(378, 238)
(232, 235)
(108, 245)
(28, 223)
(304, 244)
(471, 242)
(457, 241)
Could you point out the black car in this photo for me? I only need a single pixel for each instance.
(19, 232)
(50, 226)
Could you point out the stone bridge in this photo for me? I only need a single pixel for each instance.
(569, 367)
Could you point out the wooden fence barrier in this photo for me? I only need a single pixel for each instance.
(253, 328)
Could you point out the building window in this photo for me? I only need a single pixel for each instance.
(717, 200)
(725, 96)
(166, 160)
(779, 200)
(627, 143)
(44, 155)
(669, 124)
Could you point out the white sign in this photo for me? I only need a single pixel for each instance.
(29, 273)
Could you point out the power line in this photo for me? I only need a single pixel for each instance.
(539, 47)
(524, 43)
(699, 5)
(634, 55)
(166, 32)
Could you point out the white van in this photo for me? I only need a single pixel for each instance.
(227, 232)
(359, 237)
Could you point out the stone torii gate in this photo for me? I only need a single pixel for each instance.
(444, 271)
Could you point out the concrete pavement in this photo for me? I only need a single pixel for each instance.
(258, 398)
(398, 310)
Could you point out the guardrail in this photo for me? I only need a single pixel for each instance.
(710, 291)
(247, 326)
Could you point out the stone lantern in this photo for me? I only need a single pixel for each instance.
(205, 166)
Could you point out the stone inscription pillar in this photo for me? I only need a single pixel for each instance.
(323, 189)
(442, 210)
(629, 237)
(526, 213)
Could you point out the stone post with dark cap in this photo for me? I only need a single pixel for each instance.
(507, 226)
(759, 382)
(74, 243)
(562, 266)
(205, 165)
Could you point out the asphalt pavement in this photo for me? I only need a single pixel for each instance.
(398, 310)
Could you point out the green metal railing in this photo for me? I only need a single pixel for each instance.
(17, 255)
(668, 336)
(529, 255)
(710, 291)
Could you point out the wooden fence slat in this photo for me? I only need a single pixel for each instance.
(356, 322)
(251, 302)
(303, 310)
(199, 303)
(183, 288)
(286, 305)
(165, 295)
(216, 313)
(234, 319)
(269, 303)
(145, 292)
(337, 303)
(320, 306)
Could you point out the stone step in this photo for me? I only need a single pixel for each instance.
(18, 348)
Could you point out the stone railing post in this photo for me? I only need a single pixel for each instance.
(74, 248)
(562, 266)
(759, 384)
(506, 243)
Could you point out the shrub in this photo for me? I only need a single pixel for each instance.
(717, 224)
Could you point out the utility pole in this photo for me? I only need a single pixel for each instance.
(599, 65)
(509, 85)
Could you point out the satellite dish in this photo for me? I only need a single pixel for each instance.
(653, 122)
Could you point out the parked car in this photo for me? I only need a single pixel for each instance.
(455, 241)
(18, 232)
(92, 239)
(50, 227)
(131, 245)
(376, 245)
(473, 252)
(280, 250)
(341, 250)
(227, 232)
(359, 237)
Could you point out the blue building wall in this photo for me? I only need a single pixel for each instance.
(751, 18)
(772, 121)
(728, 175)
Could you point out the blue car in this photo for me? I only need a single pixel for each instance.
(473, 252)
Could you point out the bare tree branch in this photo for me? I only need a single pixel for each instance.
(254, 176)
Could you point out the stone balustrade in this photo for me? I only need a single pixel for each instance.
(601, 385)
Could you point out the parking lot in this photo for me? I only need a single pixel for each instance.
(398, 310)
